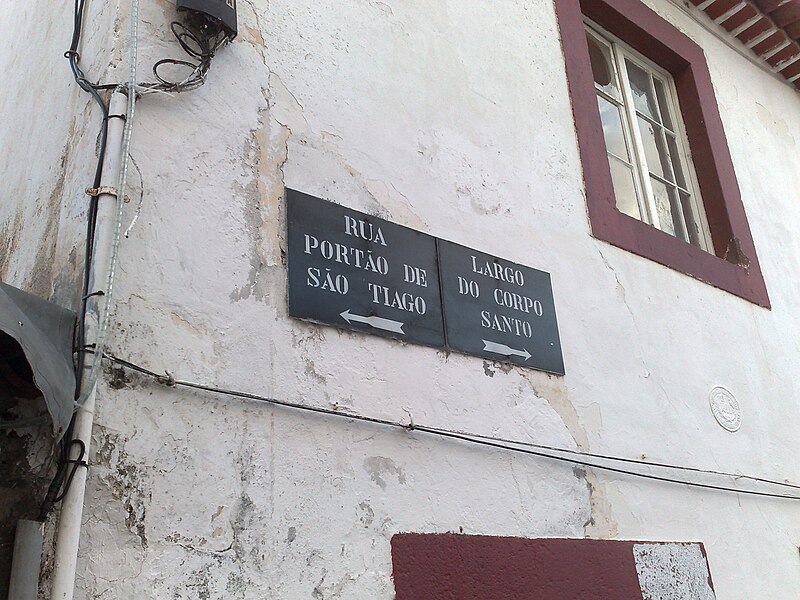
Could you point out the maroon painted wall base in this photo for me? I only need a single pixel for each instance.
(462, 567)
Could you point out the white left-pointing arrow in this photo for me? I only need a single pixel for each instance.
(505, 350)
(376, 322)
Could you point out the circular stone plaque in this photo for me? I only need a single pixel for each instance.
(725, 408)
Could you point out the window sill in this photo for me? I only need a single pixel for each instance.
(644, 240)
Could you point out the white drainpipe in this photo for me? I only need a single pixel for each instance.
(69, 522)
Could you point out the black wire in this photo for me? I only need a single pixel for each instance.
(77, 462)
(91, 222)
(200, 40)
(66, 442)
(635, 461)
(58, 487)
(474, 439)
(207, 37)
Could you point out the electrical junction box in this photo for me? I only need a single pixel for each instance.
(223, 11)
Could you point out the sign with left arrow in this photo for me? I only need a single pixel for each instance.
(356, 271)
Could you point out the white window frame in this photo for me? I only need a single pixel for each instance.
(621, 52)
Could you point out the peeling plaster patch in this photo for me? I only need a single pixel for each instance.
(308, 339)
(9, 239)
(672, 572)
(267, 151)
(554, 391)
(378, 467)
(123, 480)
(184, 323)
(332, 590)
(600, 523)
(286, 108)
(382, 6)
(118, 378)
(311, 370)
(366, 514)
(252, 35)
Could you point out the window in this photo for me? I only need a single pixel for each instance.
(651, 170)
(658, 174)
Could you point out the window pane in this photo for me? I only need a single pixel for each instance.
(663, 105)
(691, 222)
(612, 128)
(640, 88)
(655, 150)
(669, 211)
(603, 67)
(676, 160)
(624, 188)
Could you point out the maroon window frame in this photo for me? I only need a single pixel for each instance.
(734, 266)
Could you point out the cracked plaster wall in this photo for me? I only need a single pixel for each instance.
(452, 118)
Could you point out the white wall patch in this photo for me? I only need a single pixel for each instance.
(672, 572)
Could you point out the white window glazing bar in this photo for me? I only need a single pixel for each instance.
(697, 208)
(649, 210)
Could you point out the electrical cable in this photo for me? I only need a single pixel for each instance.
(200, 38)
(61, 482)
(80, 78)
(73, 56)
(637, 461)
(526, 448)
(85, 385)
(104, 315)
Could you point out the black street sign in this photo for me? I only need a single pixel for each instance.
(357, 271)
(498, 309)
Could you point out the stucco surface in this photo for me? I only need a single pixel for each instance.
(452, 118)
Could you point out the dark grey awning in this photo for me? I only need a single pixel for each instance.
(44, 332)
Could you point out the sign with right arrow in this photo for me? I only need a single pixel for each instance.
(498, 309)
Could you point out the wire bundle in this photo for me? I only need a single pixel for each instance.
(200, 39)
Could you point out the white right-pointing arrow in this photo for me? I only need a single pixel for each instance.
(374, 321)
(504, 350)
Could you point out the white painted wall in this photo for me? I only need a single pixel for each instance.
(452, 118)
(48, 129)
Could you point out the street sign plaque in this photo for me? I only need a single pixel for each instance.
(498, 309)
(356, 271)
